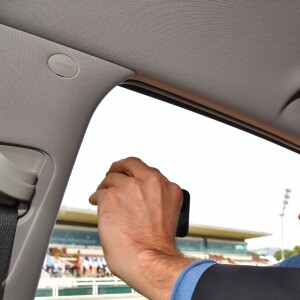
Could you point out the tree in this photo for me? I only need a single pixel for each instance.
(287, 253)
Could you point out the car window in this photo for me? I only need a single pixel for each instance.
(238, 182)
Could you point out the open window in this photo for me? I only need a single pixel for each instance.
(237, 182)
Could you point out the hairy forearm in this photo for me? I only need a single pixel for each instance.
(159, 271)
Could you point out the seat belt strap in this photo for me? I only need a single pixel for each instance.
(8, 224)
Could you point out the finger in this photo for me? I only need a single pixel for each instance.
(130, 166)
(113, 180)
(96, 197)
(133, 167)
(158, 171)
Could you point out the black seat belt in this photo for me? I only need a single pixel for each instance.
(8, 224)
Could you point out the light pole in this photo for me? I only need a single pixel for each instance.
(285, 202)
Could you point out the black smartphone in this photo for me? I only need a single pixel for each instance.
(183, 221)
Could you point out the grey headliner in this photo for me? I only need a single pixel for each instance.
(43, 111)
(244, 55)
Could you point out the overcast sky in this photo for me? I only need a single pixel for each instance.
(235, 179)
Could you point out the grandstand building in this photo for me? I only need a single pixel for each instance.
(76, 230)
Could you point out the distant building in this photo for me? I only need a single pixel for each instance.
(76, 229)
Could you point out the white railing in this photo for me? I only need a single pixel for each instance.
(57, 284)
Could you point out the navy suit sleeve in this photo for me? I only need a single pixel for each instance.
(232, 282)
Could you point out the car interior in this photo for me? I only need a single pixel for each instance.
(237, 62)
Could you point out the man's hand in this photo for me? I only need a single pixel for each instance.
(138, 211)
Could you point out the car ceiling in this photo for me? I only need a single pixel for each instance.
(238, 57)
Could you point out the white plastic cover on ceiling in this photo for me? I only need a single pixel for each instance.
(244, 55)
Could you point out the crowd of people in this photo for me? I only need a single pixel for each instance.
(79, 266)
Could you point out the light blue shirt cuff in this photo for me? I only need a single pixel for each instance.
(188, 279)
(293, 261)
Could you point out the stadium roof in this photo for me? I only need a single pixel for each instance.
(223, 232)
(88, 217)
